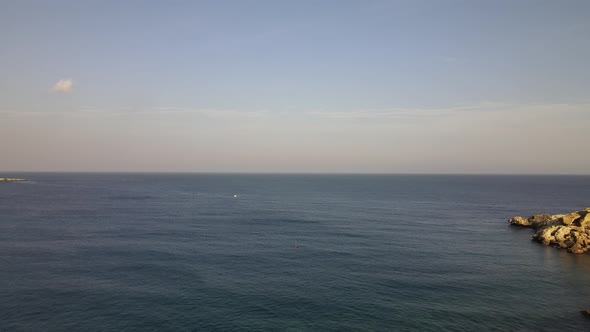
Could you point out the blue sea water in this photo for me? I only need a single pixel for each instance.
(178, 252)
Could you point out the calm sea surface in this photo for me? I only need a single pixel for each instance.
(178, 252)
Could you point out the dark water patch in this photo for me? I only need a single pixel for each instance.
(130, 197)
(279, 222)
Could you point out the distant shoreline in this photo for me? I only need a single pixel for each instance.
(11, 179)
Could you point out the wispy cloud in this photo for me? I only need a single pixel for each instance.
(488, 111)
(459, 110)
(63, 85)
(211, 113)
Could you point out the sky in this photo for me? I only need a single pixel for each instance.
(500, 87)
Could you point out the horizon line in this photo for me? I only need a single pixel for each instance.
(295, 173)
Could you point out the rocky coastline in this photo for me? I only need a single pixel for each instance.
(570, 231)
(11, 179)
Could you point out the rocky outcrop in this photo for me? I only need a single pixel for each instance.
(11, 179)
(569, 231)
(534, 221)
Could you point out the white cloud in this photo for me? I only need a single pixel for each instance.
(64, 85)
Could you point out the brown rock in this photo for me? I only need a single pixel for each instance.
(570, 231)
(519, 221)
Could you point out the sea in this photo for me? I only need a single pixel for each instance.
(286, 252)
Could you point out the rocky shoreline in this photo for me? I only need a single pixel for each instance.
(570, 231)
(11, 179)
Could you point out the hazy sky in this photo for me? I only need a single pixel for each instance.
(295, 86)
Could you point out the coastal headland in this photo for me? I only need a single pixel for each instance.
(570, 231)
